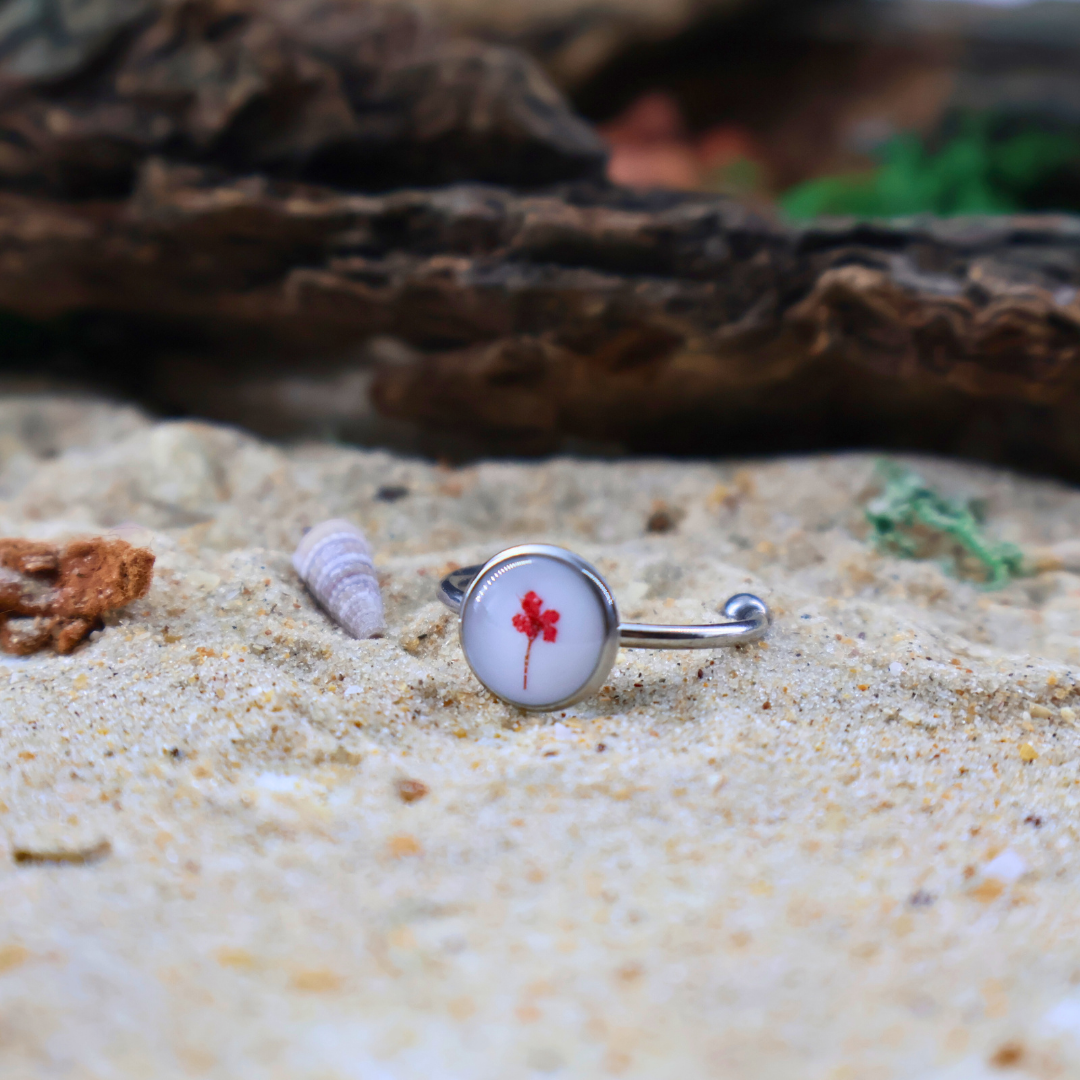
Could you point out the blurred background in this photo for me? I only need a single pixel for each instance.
(875, 107)
(471, 227)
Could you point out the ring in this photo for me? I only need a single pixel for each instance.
(540, 629)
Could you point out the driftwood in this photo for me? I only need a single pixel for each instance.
(180, 195)
(655, 322)
(365, 96)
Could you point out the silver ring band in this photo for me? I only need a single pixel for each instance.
(749, 614)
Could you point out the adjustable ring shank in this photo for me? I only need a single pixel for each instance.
(453, 587)
(750, 617)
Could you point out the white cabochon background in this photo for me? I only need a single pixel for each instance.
(496, 649)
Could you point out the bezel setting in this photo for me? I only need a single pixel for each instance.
(599, 588)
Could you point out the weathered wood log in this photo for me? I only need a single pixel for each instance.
(365, 96)
(652, 321)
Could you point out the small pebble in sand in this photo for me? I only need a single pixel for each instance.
(1007, 867)
(661, 520)
(411, 791)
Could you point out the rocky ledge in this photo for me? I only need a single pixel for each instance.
(240, 843)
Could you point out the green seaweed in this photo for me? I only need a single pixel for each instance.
(979, 170)
(911, 521)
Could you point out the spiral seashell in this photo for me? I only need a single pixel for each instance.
(334, 561)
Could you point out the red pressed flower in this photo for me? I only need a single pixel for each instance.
(532, 623)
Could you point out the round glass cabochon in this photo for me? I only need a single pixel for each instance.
(534, 629)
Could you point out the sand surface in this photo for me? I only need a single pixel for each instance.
(848, 853)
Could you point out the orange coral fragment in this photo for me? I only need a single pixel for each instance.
(56, 595)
